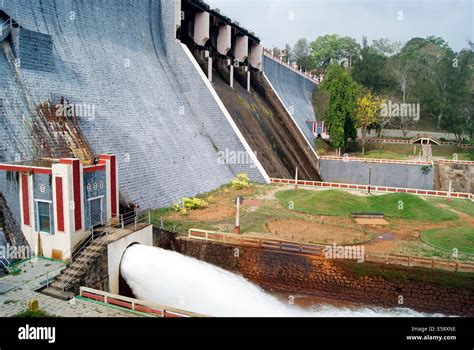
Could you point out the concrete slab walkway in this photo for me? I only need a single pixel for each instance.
(16, 290)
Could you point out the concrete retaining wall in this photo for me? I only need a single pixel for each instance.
(393, 175)
(295, 91)
(381, 285)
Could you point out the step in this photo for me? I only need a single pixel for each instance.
(73, 273)
(58, 294)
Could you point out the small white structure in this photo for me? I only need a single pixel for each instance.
(61, 200)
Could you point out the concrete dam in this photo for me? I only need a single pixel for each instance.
(130, 88)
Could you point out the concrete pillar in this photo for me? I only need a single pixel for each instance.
(64, 224)
(256, 56)
(248, 81)
(201, 28)
(241, 49)
(224, 42)
(209, 69)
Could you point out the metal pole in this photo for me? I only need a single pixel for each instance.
(296, 178)
(370, 176)
(237, 217)
(122, 221)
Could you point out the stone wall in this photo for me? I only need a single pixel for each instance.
(432, 291)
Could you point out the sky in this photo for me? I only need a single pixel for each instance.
(278, 22)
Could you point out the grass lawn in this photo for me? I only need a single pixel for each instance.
(383, 155)
(462, 205)
(340, 203)
(461, 238)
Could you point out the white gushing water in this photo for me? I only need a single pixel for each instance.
(178, 281)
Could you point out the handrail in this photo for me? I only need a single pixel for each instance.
(317, 250)
(9, 21)
(135, 304)
(7, 265)
(145, 216)
(376, 160)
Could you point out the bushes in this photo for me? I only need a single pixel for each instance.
(187, 204)
(240, 181)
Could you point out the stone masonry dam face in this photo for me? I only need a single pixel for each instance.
(148, 103)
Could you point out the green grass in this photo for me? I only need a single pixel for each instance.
(462, 205)
(340, 203)
(383, 155)
(460, 238)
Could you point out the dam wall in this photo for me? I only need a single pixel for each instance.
(296, 93)
(141, 96)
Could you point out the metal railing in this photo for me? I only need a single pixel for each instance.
(133, 304)
(6, 265)
(134, 219)
(318, 250)
(5, 27)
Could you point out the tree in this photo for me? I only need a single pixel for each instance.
(300, 50)
(342, 95)
(331, 48)
(350, 49)
(366, 113)
(369, 69)
(384, 47)
(288, 53)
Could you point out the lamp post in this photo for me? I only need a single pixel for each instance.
(370, 177)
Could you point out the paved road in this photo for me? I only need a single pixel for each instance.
(16, 291)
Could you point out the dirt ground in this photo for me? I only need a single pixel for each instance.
(313, 232)
(221, 207)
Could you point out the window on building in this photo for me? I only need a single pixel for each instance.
(44, 217)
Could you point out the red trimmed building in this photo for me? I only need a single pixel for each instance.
(61, 200)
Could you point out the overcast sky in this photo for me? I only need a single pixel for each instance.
(278, 22)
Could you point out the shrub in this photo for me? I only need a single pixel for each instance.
(240, 181)
(187, 204)
(321, 151)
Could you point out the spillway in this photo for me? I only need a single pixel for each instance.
(174, 280)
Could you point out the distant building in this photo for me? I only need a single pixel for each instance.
(61, 200)
(318, 129)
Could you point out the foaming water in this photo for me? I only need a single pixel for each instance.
(178, 281)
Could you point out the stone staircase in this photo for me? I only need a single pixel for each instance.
(73, 276)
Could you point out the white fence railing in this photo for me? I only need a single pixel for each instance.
(133, 304)
(374, 188)
(318, 250)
